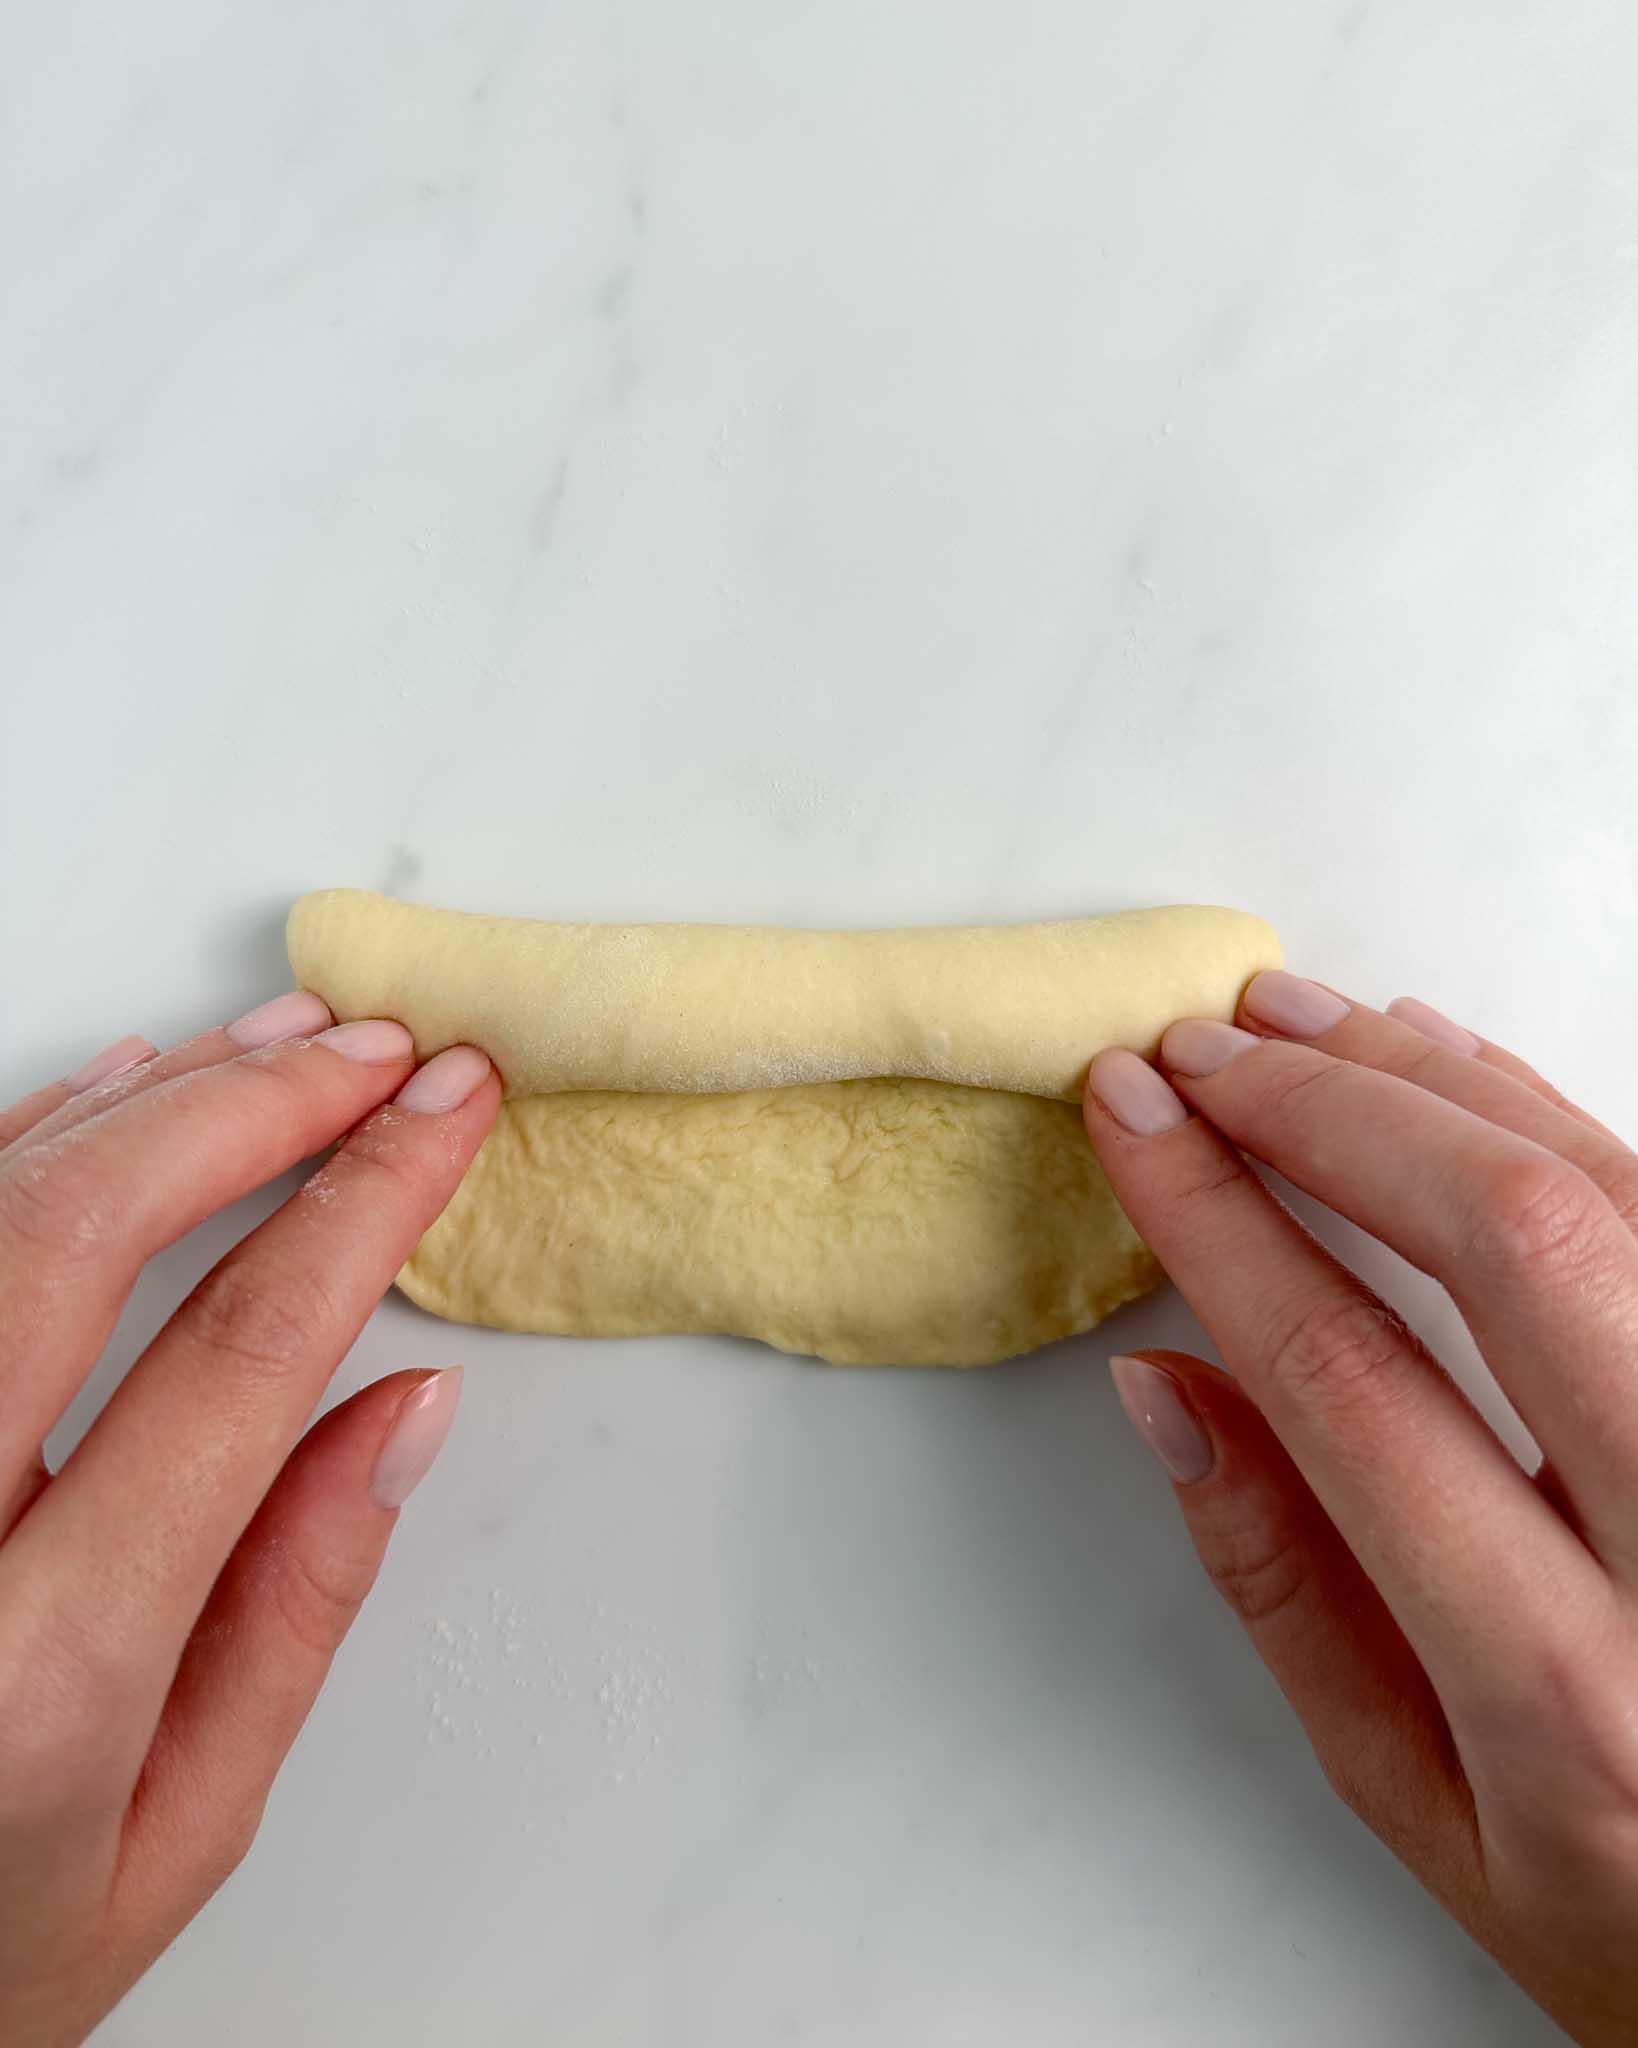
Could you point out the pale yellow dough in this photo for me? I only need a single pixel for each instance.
(867, 1222)
(833, 1141)
(706, 1008)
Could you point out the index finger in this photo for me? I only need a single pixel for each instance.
(81, 1212)
(128, 1539)
(1530, 1249)
(1456, 1539)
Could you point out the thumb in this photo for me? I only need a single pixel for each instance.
(1313, 1616)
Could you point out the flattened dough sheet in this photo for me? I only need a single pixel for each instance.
(859, 1145)
(866, 1222)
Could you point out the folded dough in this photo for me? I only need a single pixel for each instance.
(862, 1145)
(867, 1222)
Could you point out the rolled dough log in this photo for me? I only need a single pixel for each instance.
(844, 1143)
(702, 1009)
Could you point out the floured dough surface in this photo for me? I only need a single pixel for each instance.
(709, 1008)
(862, 1221)
(863, 1145)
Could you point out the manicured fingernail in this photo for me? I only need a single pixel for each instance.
(118, 1058)
(375, 1041)
(1198, 1046)
(1161, 1415)
(415, 1439)
(296, 1015)
(1135, 1095)
(1433, 1023)
(1301, 1009)
(445, 1082)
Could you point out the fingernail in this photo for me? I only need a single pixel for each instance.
(117, 1058)
(445, 1082)
(415, 1439)
(1433, 1023)
(296, 1015)
(374, 1041)
(1290, 1004)
(1135, 1095)
(1159, 1412)
(1198, 1046)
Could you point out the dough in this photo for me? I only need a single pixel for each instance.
(861, 1145)
(867, 1222)
(702, 1008)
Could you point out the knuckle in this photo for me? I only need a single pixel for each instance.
(208, 1838)
(260, 1324)
(66, 1706)
(37, 1763)
(1411, 1797)
(1261, 1572)
(1335, 1348)
(318, 1594)
(200, 1822)
(1348, 1772)
(1538, 1082)
(274, 1092)
(280, 1076)
(1420, 1062)
(1579, 1798)
(13, 1124)
(1620, 1184)
(1539, 1214)
(51, 1205)
(1203, 1177)
(1298, 1083)
(1596, 1732)
(372, 1156)
(230, 1842)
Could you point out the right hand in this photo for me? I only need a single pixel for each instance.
(1459, 1640)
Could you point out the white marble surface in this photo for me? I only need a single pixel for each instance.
(816, 463)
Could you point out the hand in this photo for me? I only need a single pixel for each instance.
(170, 1601)
(1460, 1640)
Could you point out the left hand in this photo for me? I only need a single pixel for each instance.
(170, 1601)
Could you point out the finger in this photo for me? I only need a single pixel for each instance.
(119, 1058)
(1442, 1520)
(80, 1215)
(132, 1532)
(286, 1017)
(127, 1068)
(1311, 1613)
(1434, 1024)
(1531, 1251)
(28, 1482)
(1283, 1005)
(263, 1646)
